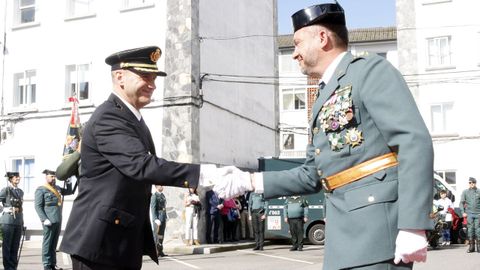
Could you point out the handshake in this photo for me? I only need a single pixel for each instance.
(227, 182)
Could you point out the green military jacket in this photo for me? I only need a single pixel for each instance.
(257, 201)
(12, 198)
(158, 204)
(470, 201)
(69, 167)
(48, 205)
(365, 111)
(295, 207)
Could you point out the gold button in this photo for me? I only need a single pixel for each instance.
(185, 183)
(319, 172)
(371, 199)
(315, 130)
(117, 221)
(317, 151)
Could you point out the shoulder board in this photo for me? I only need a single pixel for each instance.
(361, 55)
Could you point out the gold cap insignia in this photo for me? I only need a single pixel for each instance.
(154, 56)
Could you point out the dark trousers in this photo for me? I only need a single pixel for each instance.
(473, 225)
(11, 242)
(213, 226)
(49, 244)
(296, 230)
(229, 228)
(386, 265)
(258, 227)
(158, 235)
(79, 263)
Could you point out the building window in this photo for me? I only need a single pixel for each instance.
(288, 64)
(25, 11)
(77, 8)
(288, 141)
(136, 3)
(441, 117)
(77, 81)
(439, 54)
(26, 167)
(293, 99)
(25, 88)
(449, 176)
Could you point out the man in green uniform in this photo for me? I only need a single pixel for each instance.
(158, 204)
(366, 139)
(11, 198)
(256, 213)
(470, 204)
(48, 204)
(296, 214)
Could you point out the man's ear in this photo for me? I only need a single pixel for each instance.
(119, 76)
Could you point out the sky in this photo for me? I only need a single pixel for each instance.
(358, 13)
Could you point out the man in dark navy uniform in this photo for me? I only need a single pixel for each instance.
(11, 220)
(109, 225)
(158, 209)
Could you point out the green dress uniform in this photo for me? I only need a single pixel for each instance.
(295, 210)
(470, 204)
(12, 223)
(158, 204)
(257, 208)
(69, 167)
(48, 205)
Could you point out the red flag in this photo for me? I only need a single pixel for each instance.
(73, 131)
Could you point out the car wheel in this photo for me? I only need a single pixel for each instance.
(316, 234)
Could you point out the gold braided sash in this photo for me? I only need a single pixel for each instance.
(55, 192)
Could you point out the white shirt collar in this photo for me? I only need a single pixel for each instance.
(137, 114)
(332, 67)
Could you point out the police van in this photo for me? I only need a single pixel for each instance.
(314, 228)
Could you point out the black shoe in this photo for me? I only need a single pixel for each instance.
(54, 267)
(161, 254)
(256, 248)
(293, 248)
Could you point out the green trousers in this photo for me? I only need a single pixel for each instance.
(49, 245)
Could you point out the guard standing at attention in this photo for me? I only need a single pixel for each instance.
(11, 220)
(158, 207)
(470, 204)
(296, 213)
(48, 204)
(257, 213)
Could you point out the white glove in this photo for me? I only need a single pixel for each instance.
(208, 175)
(233, 182)
(7, 210)
(47, 222)
(411, 246)
(157, 221)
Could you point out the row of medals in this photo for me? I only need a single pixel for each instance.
(336, 113)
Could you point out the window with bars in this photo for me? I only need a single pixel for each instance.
(77, 82)
(439, 53)
(294, 99)
(25, 88)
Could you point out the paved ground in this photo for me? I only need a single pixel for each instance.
(31, 258)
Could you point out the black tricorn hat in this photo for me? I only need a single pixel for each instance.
(473, 180)
(48, 172)
(143, 60)
(12, 174)
(317, 14)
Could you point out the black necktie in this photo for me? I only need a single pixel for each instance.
(321, 85)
